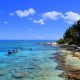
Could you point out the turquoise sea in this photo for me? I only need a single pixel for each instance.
(35, 64)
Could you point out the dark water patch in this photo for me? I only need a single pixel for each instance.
(36, 59)
(30, 68)
(51, 58)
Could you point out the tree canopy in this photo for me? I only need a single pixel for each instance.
(72, 34)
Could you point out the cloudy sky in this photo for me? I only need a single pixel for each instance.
(37, 19)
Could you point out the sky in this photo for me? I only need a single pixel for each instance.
(37, 19)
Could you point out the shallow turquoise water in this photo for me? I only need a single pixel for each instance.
(35, 64)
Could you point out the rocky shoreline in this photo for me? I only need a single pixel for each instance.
(68, 64)
(68, 59)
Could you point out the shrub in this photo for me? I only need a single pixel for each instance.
(60, 41)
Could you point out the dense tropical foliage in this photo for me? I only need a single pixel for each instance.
(72, 35)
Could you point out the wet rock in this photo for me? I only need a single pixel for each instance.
(76, 54)
(70, 72)
(73, 75)
(61, 75)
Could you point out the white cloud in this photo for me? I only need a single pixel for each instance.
(53, 15)
(69, 22)
(5, 22)
(40, 21)
(31, 11)
(25, 13)
(71, 17)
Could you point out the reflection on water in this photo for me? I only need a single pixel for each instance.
(28, 64)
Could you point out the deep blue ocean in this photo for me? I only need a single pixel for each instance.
(35, 64)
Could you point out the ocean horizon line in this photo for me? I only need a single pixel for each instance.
(29, 39)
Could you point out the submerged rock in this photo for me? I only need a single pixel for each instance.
(30, 48)
(20, 74)
(2, 72)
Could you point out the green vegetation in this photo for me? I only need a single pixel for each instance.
(60, 41)
(72, 35)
